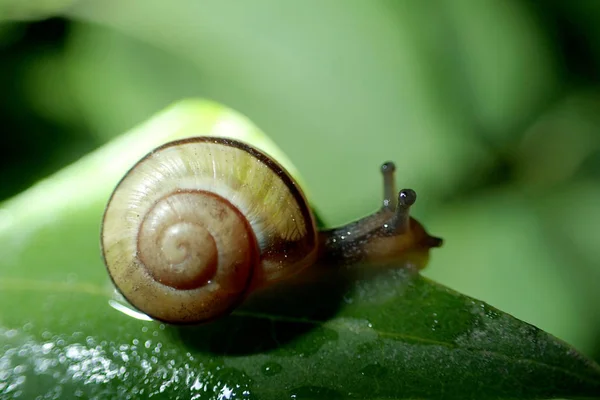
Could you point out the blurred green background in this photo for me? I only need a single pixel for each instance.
(491, 110)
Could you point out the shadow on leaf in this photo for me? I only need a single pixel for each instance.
(278, 315)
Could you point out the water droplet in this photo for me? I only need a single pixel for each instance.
(11, 333)
(311, 392)
(46, 347)
(374, 371)
(271, 369)
(128, 310)
(19, 369)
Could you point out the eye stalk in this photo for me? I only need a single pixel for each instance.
(388, 170)
(390, 235)
(399, 203)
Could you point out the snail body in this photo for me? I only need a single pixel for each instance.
(198, 224)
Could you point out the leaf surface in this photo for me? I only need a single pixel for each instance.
(387, 333)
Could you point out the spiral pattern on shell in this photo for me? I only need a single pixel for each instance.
(197, 224)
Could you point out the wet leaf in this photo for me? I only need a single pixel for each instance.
(386, 333)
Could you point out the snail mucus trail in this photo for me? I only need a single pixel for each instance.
(199, 224)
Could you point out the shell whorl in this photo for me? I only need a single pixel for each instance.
(186, 236)
(197, 223)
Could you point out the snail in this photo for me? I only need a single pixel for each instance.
(198, 224)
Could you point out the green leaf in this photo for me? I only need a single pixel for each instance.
(386, 333)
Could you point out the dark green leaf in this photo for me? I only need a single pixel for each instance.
(386, 333)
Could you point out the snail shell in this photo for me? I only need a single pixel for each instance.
(199, 223)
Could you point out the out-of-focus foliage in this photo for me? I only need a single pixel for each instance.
(31, 9)
(489, 108)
